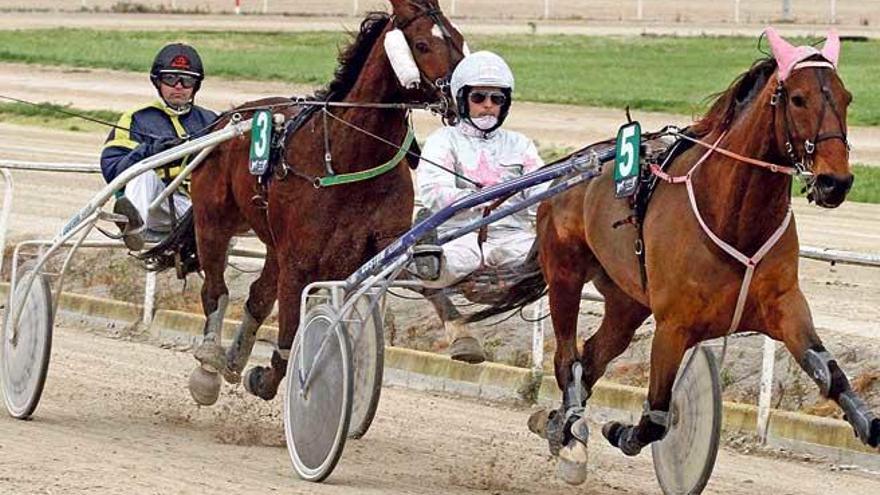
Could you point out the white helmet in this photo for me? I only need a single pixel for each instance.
(482, 69)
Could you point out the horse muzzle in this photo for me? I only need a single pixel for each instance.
(829, 190)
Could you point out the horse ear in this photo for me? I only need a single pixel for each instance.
(784, 52)
(831, 49)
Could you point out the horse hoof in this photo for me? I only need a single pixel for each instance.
(253, 383)
(538, 422)
(623, 437)
(204, 386)
(467, 349)
(572, 466)
(231, 376)
(210, 354)
(611, 431)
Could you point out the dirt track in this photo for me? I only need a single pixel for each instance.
(549, 124)
(116, 418)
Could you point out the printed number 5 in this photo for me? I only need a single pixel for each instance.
(260, 145)
(627, 151)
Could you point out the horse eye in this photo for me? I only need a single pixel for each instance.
(799, 101)
(423, 47)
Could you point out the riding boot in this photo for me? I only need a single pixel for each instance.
(464, 347)
(427, 255)
(132, 230)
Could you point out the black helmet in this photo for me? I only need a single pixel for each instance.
(177, 58)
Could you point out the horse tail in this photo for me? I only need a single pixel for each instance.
(177, 250)
(528, 288)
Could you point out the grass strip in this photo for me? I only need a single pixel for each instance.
(646, 73)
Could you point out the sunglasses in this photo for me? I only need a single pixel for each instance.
(497, 98)
(185, 80)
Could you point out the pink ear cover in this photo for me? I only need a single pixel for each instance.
(788, 55)
(831, 49)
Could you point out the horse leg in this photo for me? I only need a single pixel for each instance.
(257, 308)
(622, 316)
(789, 320)
(667, 350)
(263, 381)
(566, 266)
(204, 383)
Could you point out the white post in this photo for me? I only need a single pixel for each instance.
(766, 392)
(355, 8)
(265, 6)
(149, 297)
(736, 11)
(538, 337)
(833, 11)
(639, 10)
(173, 5)
(546, 9)
(83, 4)
(452, 8)
(4, 215)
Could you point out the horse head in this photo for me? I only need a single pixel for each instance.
(423, 47)
(810, 126)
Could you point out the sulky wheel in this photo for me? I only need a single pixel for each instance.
(685, 458)
(317, 408)
(366, 330)
(24, 355)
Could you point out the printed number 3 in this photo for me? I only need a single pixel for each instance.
(262, 123)
(627, 151)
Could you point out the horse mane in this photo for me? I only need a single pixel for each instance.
(353, 57)
(730, 103)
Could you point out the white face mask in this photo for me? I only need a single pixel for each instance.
(485, 122)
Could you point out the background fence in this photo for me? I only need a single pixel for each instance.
(845, 12)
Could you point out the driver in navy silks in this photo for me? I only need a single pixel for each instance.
(177, 73)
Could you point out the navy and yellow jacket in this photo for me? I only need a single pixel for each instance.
(139, 128)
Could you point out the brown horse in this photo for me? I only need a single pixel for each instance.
(315, 233)
(789, 110)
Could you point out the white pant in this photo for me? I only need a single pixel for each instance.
(462, 256)
(143, 189)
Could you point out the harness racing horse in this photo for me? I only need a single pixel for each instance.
(723, 205)
(315, 233)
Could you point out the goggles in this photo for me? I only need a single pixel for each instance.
(479, 97)
(185, 80)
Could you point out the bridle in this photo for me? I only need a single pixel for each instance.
(802, 160)
(441, 85)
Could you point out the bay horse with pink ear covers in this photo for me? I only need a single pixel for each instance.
(720, 244)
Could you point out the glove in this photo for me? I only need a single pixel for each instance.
(159, 145)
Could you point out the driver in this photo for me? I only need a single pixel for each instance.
(177, 75)
(477, 148)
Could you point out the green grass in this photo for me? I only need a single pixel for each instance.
(645, 73)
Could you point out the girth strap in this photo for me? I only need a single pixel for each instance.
(340, 179)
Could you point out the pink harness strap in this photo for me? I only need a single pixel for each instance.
(750, 263)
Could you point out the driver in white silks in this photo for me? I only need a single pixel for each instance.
(478, 149)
